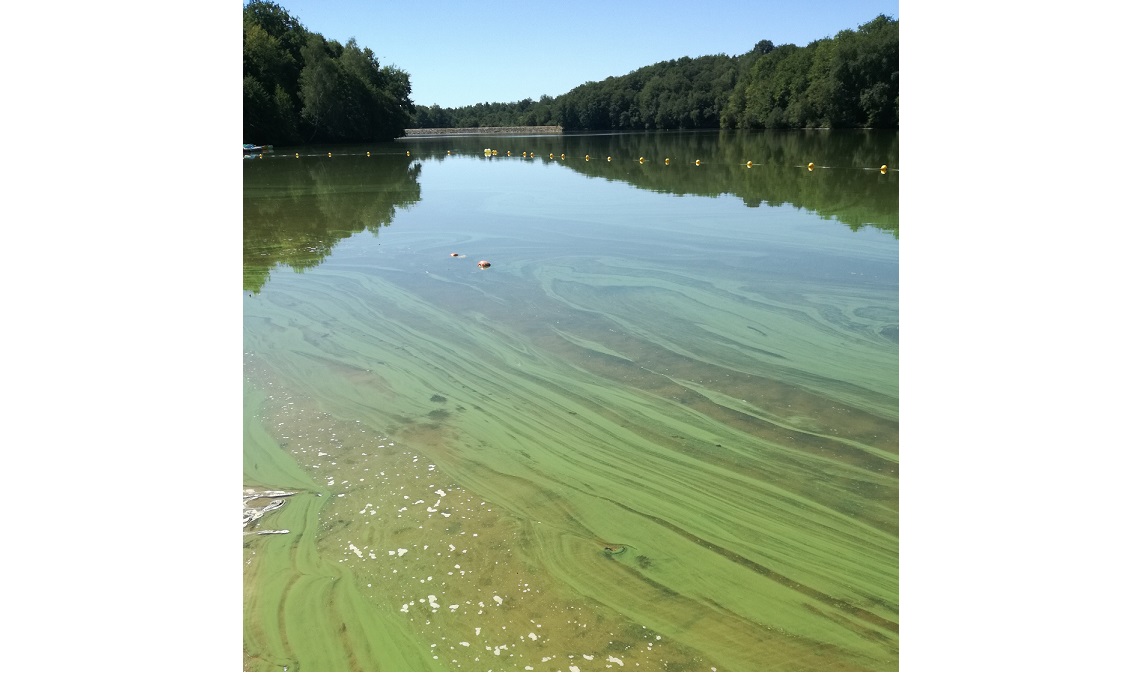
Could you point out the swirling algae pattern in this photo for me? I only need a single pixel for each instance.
(582, 461)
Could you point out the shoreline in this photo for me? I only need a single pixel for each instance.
(518, 130)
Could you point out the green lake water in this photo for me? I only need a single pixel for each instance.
(659, 432)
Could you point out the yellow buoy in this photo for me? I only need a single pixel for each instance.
(810, 167)
(642, 159)
(883, 169)
(367, 154)
(697, 161)
(509, 153)
(296, 155)
(562, 156)
(666, 160)
(260, 155)
(329, 154)
(550, 157)
(749, 164)
(609, 159)
(531, 155)
(407, 153)
(586, 157)
(448, 152)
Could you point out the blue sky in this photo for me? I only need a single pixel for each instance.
(463, 52)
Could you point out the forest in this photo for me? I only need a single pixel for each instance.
(299, 87)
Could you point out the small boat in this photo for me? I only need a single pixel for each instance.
(249, 149)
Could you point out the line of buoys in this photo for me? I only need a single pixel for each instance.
(883, 169)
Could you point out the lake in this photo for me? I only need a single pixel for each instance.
(658, 432)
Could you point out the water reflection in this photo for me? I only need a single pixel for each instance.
(846, 185)
(295, 210)
(660, 433)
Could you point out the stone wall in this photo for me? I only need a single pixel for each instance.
(527, 130)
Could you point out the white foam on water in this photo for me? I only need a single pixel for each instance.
(497, 599)
(613, 659)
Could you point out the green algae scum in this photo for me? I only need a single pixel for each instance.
(660, 432)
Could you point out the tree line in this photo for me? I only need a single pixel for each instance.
(849, 81)
(299, 87)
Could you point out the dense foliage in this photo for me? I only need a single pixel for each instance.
(299, 87)
(848, 81)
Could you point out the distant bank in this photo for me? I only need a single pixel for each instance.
(523, 130)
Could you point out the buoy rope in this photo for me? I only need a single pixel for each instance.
(530, 155)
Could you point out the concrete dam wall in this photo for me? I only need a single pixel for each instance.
(524, 130)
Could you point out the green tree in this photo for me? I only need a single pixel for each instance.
(298, 86)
